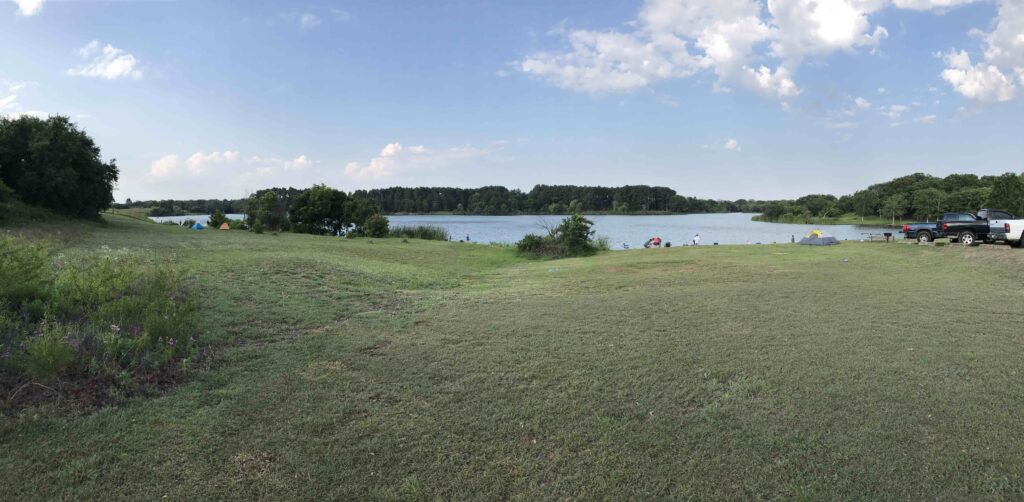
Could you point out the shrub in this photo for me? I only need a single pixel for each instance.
(217, 218)
(573, 237)
(425, 232)
(108, 318)
(376, 226)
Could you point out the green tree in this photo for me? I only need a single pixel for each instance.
(320, 209)
(928, 203)
(217, 218)
(894, 205)
(53, 164)
(1008, 193)
(268, 210)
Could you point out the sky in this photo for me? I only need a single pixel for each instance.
(713, 98)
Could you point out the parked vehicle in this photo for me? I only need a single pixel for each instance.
(999, 222)
(965, 228)
(922, 232)
(1013, 232)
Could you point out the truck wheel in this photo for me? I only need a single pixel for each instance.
(924, 237)
(1018, 244)
(966, 238)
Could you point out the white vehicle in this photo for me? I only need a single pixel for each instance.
(1003, 226)
(1013, 232)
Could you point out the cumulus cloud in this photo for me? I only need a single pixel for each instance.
(200, 162)
(395, 159)
(753, 44)
(862, 103)
(927, 119)
(106, 62)
(732, 145)
(995, 79)
(299, 162)
(29, 7)
(895, 112)
(164, 167)
(983, 82)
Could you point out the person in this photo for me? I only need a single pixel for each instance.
(467, 237)
(696, 240)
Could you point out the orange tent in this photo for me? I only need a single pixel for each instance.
(224, 226)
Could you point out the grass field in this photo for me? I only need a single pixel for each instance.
(379, 369)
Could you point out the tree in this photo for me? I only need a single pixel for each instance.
(268, 210)
(774, 211)
(1008, 193)
(320, 209)
(929, 203)
(53, 164)
(894, 205)
(217, 218)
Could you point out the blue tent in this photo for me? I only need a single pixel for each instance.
(198, 226)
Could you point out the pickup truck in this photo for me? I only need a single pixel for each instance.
(965, 228)
(1013, 232)
(922, 232)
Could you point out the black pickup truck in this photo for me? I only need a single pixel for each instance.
(965, 228)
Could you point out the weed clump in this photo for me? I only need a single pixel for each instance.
(99, 326)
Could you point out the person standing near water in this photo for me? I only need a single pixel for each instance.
(696, 240)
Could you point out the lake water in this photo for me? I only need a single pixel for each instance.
(732, 228)
(199, 218)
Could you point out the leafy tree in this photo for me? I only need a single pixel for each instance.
(894, 205)
(928, 203)
(320, 209)
(53, 164)
(268, 210)
(217, 218)
(358, 211)
(1008, 193)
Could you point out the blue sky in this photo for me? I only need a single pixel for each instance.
(714, 98)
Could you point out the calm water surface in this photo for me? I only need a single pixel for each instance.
(632, 231)
(199, 218)
(732, 228)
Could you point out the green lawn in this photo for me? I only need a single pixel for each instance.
(377, 369)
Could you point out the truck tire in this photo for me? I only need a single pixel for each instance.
(1018, 244)
(967, 238)
(924, 237)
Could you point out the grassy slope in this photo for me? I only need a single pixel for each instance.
(380, 369)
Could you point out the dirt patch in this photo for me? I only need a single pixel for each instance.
(615, 270)
(252, 465)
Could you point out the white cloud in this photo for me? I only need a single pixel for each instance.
(993, 79)
(163, 167)
(396, 159)
(299, 162)
(29, 7)
(308, 21)
(927, 119)
(200, 162)
(8, 102)
(930, 4)
(862, 103)
(106, 62)
(806, 27)
(982, 82)
(732, 145)
(895, 112)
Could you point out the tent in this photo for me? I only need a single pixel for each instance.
(816, 238)
(197, 226)
(224, 226)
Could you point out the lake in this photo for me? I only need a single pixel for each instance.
(199, 218)
(731, 228)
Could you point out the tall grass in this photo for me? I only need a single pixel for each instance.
(425, 232)
(102, 322)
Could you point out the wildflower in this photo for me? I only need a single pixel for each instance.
(115, 328)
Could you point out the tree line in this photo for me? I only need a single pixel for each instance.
(549, 199)
(919, 196)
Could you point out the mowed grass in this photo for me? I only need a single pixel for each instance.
(377, 369)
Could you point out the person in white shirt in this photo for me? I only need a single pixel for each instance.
(696, 240)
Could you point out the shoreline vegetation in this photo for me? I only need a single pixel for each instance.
(846, 219)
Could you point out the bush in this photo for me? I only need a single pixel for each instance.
(92, 323)
(217, 218)
(573, 237)
(424, 232)
(376, 226)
